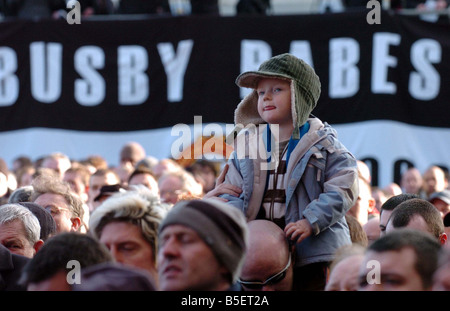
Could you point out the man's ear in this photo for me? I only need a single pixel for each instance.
(372, 204)
(76, 223)
(443, 238)
(37, 246)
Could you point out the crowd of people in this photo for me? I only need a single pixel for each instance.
(150, 224)
(304, 217)
(38, 9)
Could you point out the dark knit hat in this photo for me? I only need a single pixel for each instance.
(48, 225)
(305, 89)
(221, 226)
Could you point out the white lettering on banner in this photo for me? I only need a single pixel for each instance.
(9, 82)
(302, 49)
(90, 90)
(382, 61)
(253, 53)
(426, 82)
(46, 71)
(133, 85)
(175, 67)
(344, 74)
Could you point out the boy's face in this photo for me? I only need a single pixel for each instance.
(274, 101)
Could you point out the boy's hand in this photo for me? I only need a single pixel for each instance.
(222, 188)
(298, 231)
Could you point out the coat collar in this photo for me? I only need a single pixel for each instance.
(5, 259)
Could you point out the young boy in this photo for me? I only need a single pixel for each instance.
(308, 183)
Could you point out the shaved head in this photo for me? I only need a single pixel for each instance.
(267, 255)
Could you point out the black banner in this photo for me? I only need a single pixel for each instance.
(125, 75)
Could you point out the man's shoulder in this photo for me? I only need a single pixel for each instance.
(11, 266)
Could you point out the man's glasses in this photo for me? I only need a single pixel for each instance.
(274, 279)
(54, 210)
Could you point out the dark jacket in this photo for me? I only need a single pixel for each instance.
(11, 266)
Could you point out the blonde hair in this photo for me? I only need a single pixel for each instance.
(137, 206)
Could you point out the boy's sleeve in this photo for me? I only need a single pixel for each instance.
(340, 192)
(234, 177)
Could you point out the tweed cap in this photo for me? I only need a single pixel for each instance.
(222, 227)
(305, 88)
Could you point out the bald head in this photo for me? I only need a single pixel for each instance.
(434, 180)
(263, 236)
(132, 152)
(267, 254)
(411, 181)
